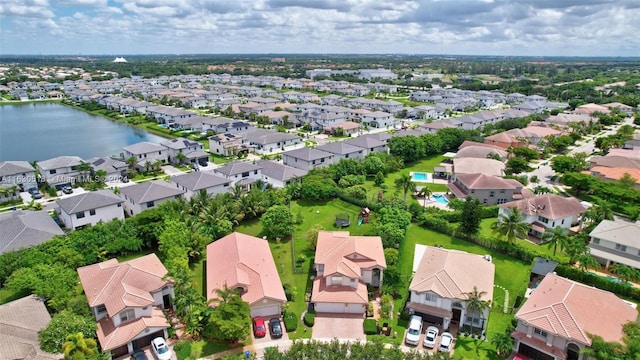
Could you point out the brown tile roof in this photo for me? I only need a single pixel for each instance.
(452, 273)
(482, 181)
(347, 255)
(615, 173)
(111, 337)
(467, 143)
(240, 260)
(121, 285)
(339, 294)
(550, 206)
(572, 310)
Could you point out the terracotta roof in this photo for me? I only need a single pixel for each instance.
(121, 285)
(467, 143)
(482, 181)
(475, 165)
(615, 173)
(339, 294)
(572, 310)
(240, 260)
(452, 273)
(481, 152)
(550, 206)
(615, 161)
(111, 337)
(347, 255)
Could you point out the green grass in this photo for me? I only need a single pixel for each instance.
(469, 348)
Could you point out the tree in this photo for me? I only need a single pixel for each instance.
(503, 343)
(378, 180)
(511, 225)
(627, 181)
(277, 222)
(556, 236)
(625, 273)
(408, 148)
(391, 256)
(406, 184)
(62, 324)
(312, 235)
(564, 164)
(181, 157)
(317, 187)
(586, 262)
(471, 216)
(425, 192)
(230, 320)
(517, 165)
(77, 347)
(475, 304)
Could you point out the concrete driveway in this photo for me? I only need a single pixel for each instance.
(340, 326)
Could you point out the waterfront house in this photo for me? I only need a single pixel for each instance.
(146, 153)
(114, 169)
(60, 171)
(140, 197)
(90, 208)
(19, 173)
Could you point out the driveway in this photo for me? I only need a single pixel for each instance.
(340, 326)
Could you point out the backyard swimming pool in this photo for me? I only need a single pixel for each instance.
(421, 177)
(441, 199)
(612, 279)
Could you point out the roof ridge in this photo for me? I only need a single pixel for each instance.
(103, 288)
(573, 319)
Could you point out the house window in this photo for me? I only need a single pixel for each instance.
(502, 191)
(336, 280)
(540, 332)
(80, 215)
(622, 248)
(322, 160)
(457, 304)
(127, 315)
(92, 212)
(431, 297)
(543, 220)
(492, 193)
(595, 241)
(502, 201)
(119, 205)
(255, 172)
(245, 174)
(51, 172)
(101, 309)
(159, 152)
(150, 204)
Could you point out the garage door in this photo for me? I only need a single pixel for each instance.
(534, 354)
(265, 310)
(146, 340)
(339, 308)
(119, 351)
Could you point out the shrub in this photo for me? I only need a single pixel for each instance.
(370, 326)
(182, 349)
(290, 292)
(309, 318)
(290, 321)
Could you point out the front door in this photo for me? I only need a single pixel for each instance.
(166, 300)
(456, 314)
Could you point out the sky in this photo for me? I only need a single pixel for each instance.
(455, 27)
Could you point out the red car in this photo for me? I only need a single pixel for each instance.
(259, 328)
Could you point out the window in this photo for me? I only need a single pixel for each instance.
(52, 172)
(502, 201)
(431, 297)
(540, 332)
(245, 174)
(150, 204)
(92, 212)
(543, 220)
(159, 152)
(595, 241)
(322, 160)
(119, 205)
(127, 315)
(255, 172)
(80, 215)
(457, 304)
(492, 193)
(336, 280)
(622, 248)
(101, 308)
(502, 191)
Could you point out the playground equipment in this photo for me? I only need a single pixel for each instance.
(343, 220)
(364, 216)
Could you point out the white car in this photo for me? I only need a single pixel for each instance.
(446, 340)
(415, 329)
(430, 337)
(160, 349)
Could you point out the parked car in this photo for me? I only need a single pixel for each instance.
(415, 329)
(139, 355)
(446, 340)
(275, 328)
(259, 329)
(67, 190)
(35, 194)
(430, 337)
(160, 349)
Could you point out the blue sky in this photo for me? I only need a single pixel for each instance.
(470, 27)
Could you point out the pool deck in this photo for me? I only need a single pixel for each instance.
(432, 202)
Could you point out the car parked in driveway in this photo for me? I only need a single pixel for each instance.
(275, 328)
(139, 355)
(446, 341)
(415, 329)
(430, 337)
(160, 349)
(35, 194)
(259, 328)
(67, 190)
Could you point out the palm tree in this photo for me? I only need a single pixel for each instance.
(224, 295)
(77, 347)
(238, 191)
(181, 157)
(475, 304)
(511, 225)
(586, 262)
(625, 273)
(557, 236)
(425, 192)
(405, 183)
(503, 343)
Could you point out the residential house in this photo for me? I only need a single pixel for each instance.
(127, 300)
(194, 182)
(19, 173)
(20, 322)
(379, 120)
(546, 211)
(615, 174)
(482, 152)
(264, 141)
(504, 140)
(146, 154)
(192, 150)
(441, 282)
(347, 128)
(114, 169)
(343, 150)
(60, 171)
(23, 229)
(344, 266)
(307, 158)
(476, 165)
(370, 144)
(424, 112)
(489, 190)
(556, 321)
(240, 173)
(143, 196)
(90, 208)
(531, 107)
(244, 262)
(228, 144)
(279, 175)
(616, 242)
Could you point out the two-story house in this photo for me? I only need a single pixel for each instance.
(616, 242)
(379, 120)
(344, 266)
(127, 300)
(192, 151)
(554, 323)
(269, 141)
(240, 173)
(279, 175)
(343, 150)
(441, 282)
(194, 182)
(228, 144)
(244, 262)
(19, 173)
(489, 190)
(143, 196)
(90, 208)
(60, 171)
(546, 211)
(307, 158)
(146, 153)
(370, 144)
(23, 229)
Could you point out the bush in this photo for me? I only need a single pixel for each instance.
(182, 349)
(290, 321)
(370, 327)
(309, 318)
(290, 292)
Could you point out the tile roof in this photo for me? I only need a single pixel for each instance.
(111, 337)
(240, 260)
(618, 231)
(339, 148)
(482, 181)
(550, 206)
(452, 274)
(59, 162)
(22, 229)
(339, 294)
(15, 167)
(572, 310)
(279, 171)
(198, 180)
(615, 173)
(88, 200)
(341, 253)
(476, 165)
(236, 167)
(615, 161)
(150, 191)
(481, 152)
(144, 147)
(179, 143)
(307, 154)
(121, 285)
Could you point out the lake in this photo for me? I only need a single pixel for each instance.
(40, 131)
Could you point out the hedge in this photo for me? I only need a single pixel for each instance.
(290, 321)
(182, 349)
(370, 327)
(309, 318)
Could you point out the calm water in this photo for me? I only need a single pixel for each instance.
(40, 131)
